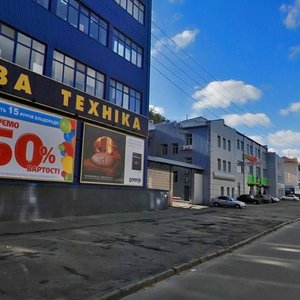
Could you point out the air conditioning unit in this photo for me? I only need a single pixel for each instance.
(187, 147)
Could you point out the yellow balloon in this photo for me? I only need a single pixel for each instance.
(67, 164)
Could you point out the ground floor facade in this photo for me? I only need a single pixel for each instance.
(64, 152)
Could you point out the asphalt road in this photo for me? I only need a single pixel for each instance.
(90, 257)
(268, 269)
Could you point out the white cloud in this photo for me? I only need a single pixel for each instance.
(293, 107)
(292, 19)
(157, 109)
(291, 153)
(180, 40)
(158, 46)
(294, 52)
(185, 38)
(283, 142)
(284, 139)
(247, 119)
(223, 93)
(258, 138)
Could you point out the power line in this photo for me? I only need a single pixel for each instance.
(202, 68)
(212, 95)
(177, 76)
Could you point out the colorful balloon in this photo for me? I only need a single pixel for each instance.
(65, 125)
(67, 164)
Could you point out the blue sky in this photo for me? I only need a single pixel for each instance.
(238, 60)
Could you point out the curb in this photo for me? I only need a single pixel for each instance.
(147, 282)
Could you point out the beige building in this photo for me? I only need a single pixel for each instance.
(290, 174)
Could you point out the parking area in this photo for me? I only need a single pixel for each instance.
(80, 257)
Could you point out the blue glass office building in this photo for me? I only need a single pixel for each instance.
(74, 86)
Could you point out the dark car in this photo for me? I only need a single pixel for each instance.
(248, 199)
(263, 198)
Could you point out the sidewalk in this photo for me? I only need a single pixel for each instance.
(110, 256)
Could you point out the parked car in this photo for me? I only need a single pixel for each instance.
(227, 202)
(248, 199)
(274, 199)
(290, 197)
(263, 198)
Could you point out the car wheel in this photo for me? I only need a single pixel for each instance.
(237, 206)
(216, 204)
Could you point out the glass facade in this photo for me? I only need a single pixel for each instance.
(126, 48)
(125, 97)
(21, 49)
(78, 75)
(135, 8)
(86, 21)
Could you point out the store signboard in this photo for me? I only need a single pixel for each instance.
(110, 157)
(35, 145)
(25, 84)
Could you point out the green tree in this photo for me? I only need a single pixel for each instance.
(155, 116)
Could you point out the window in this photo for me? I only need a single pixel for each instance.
(135, 8)
(80, 17)
(258, 172)
(229, 167)
(248, 148)
(232, 192)
(258, 153)
(21, 49)
(188, 139)
(229, 145)
(251, 150)
(228, 191)
(224, 165)
(219, 164)
(164, 149)
(242, 145)
(78, 75)
(125, 96)
(240, 167)
(44, 3)
(175, 148)
(250, 170)
(264, 173)
(224, 143)
(222, 190)
(219, 141)
(175, 176)
(238, 144)
(126, 48)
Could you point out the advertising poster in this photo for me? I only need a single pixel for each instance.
(35, 145)
(109, 157)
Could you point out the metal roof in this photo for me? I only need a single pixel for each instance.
(174, 163)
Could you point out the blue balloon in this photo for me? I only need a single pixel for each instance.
(63, 153)
(68, 137)
(72, 133)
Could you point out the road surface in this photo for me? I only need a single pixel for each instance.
(268, 269)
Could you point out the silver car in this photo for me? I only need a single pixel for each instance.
(227, 202)
(290, 197)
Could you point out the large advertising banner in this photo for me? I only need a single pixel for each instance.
(36, 145)
(109, 157)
